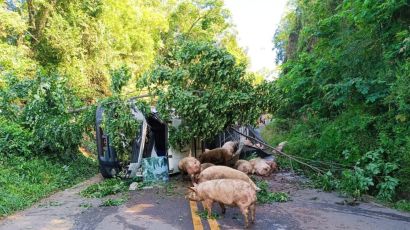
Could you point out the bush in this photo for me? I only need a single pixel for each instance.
(58, 135)
(343, 148)
(14, 140)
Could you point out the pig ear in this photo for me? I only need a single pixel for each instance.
(195, 184)
(192, 189)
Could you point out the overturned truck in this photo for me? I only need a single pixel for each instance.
(151, 141)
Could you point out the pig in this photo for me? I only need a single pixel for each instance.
(273, 166)
(231, 146)
(190, 165)
(216, 156)
(261, 167)
(247, 142)
(206, 165)
(224, 172)
(243, 166)
(230, 192)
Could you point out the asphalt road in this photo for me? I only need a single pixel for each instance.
(162, 208)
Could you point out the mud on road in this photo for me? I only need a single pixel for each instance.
(166, 208)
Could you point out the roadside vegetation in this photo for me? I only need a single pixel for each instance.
(265, 196)
(342, 100)
(25, 180)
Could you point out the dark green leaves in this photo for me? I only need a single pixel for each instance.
(207, 89)
(119, 78)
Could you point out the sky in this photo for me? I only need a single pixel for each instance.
(256, 22)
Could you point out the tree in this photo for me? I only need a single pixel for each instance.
(202, 83)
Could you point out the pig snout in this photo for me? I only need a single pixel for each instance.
(264, 171)
(193, 167)
(192, 196)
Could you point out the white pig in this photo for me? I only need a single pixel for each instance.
(224, 172)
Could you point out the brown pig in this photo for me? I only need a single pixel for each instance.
(189, 165)
(226, 192)
(231, 146)
(216, 156)
(224, 172)
(261, 167)
(243, 166)
(273, 166)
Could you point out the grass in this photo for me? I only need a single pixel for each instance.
(113, 202)
(108, 187)
(204, 215)
(266, 197)
(402, 205)
(85, 205)
(24, 181)
(170, 189)
(105, 188)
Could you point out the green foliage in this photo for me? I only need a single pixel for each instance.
(113, 202)
(341, 97)
(14, 140)
(120, 125)
(24, 180)
(327, 181)
(40, 106)
(204, 215)
(375, 172)
(265, 196)
(402, 205)
(118, 121)
(205, 87)
(105, 188)
(86, 39)
(119, 78)
(355, 182)
(45, 114)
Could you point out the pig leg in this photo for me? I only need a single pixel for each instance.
(252, 209)
(244, 211)
(208, 207)
(194, 178)
(222, 207)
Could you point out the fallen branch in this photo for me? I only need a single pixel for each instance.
(280, 152)
(76, 110)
